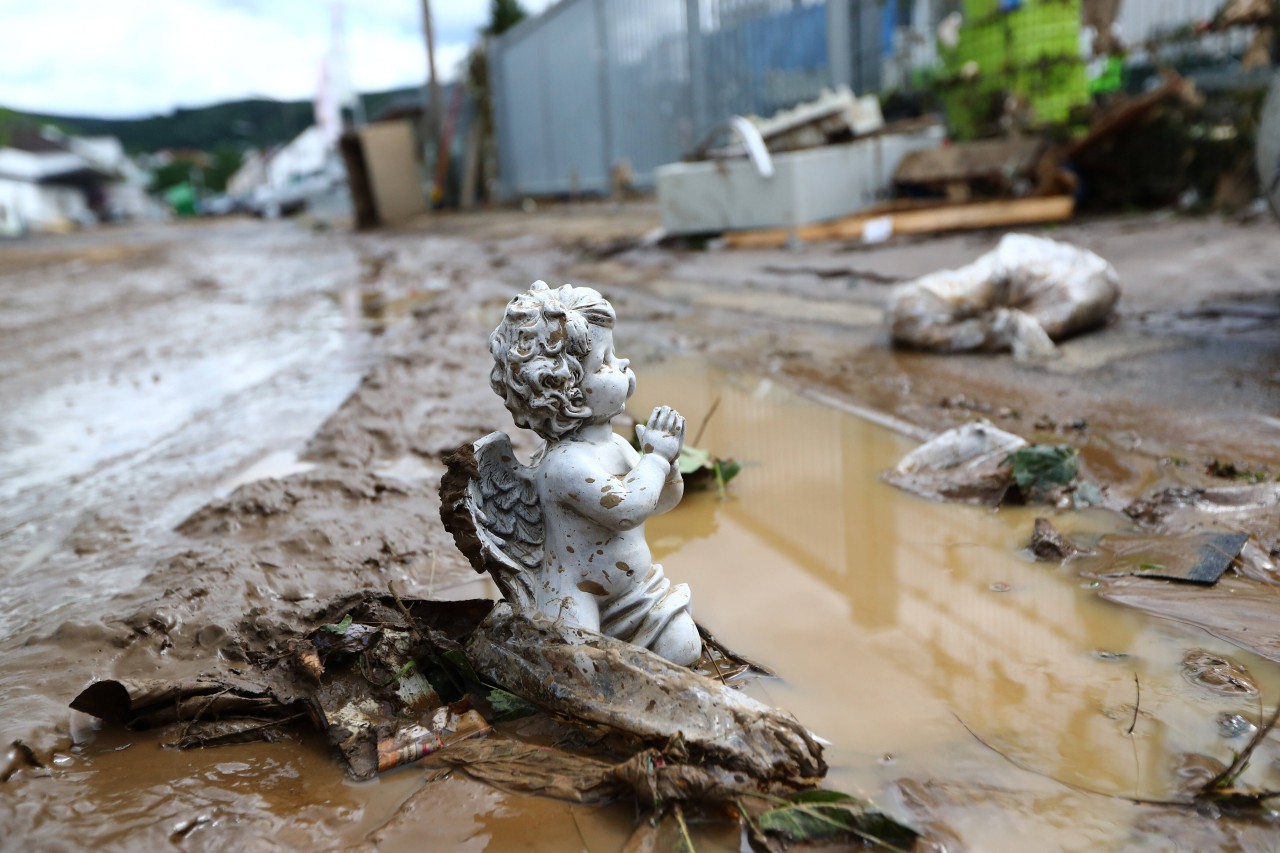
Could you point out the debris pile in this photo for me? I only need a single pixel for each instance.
(522, 703)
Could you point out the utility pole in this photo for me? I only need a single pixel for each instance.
(431, 119)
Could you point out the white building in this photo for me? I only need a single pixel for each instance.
(52, 182)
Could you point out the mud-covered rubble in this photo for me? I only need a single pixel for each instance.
(393, 681)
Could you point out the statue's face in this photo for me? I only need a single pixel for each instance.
(607, 380)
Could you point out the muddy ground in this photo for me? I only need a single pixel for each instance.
(205, 429)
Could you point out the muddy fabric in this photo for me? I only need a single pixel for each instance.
(1238, 610)
(601, 680)
(1026, 293)
(965, 464)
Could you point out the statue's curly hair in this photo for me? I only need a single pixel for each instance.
(538, 350)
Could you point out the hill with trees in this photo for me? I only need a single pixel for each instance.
(255, 122)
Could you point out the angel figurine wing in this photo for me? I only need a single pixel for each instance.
(489, 502)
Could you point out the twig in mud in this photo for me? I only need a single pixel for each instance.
(753, 829)
(1079, 788)
(1137, 703)
(431, 583)
(684, 829)
(716, 666)
(1227, 778)
(573, 813)
(697, 439)
(267, 725)
(729, 654)
(413, 626)
(195, 718)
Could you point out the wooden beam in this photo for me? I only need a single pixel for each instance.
(930, 220)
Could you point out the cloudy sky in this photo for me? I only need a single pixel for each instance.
(141, 57)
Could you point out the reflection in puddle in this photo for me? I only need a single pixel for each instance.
(890, 619)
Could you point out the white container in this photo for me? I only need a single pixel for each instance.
(807, 186)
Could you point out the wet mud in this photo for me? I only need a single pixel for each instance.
(152, 531)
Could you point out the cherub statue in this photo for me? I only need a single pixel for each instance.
(564, 536)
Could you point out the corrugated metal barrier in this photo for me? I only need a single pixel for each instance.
(590, 84)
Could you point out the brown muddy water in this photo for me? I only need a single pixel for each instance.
(903, 631)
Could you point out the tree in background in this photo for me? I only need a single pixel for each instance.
(503, 15)
(209, 173)
(226, 160)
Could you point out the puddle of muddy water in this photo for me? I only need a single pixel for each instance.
(892, 620)
(894, 623)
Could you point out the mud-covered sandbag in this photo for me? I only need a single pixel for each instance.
(597, 679)
(1023, 295)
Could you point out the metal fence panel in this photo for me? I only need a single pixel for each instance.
(592, 83)
(649, 95)
(551, 124)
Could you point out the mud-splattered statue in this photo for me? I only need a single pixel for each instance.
(565, 534)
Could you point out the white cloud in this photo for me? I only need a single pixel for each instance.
(139, 57)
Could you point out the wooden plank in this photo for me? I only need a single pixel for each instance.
(930, 220)
(967, 161)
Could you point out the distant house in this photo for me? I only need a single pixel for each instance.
(251, 174)
(50, 181)
(306, 171)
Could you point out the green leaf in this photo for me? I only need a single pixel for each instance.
(459, 665)
(728, 469)
(693, 458)
(815, 816)
(404, 670)
(508, 706)
(340, 627)
(819, 795)
(1039, 467)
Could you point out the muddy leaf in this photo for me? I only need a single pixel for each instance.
(1048, 545)
(825, 816)
(700, 469)
(515, 766)
(508, 706)
(1040, 467)
(1218, 673)
(339, 628)
(217, 732)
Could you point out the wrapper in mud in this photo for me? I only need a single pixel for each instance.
(1023, 295)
